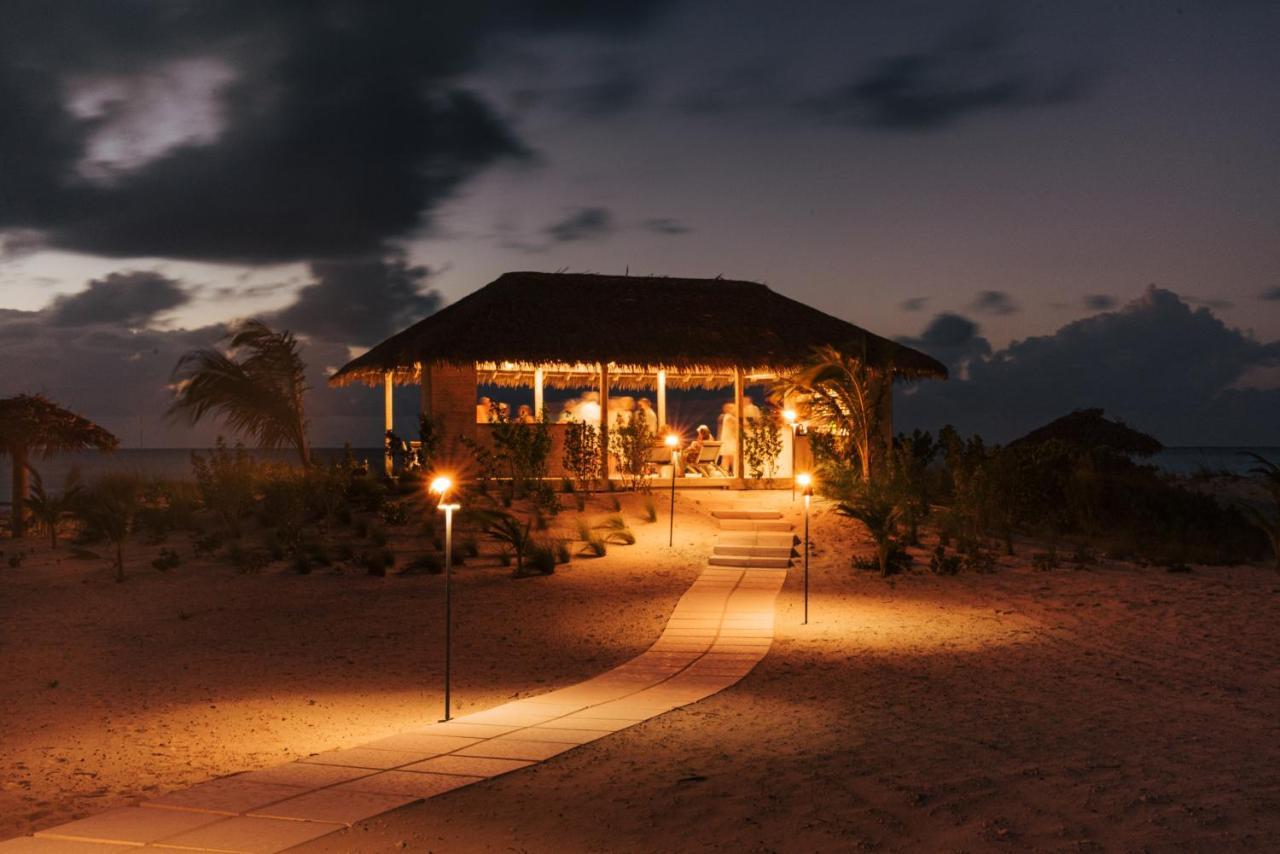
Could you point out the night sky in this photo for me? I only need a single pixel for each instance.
(1072, 204)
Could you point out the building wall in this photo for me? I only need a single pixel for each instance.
(449, 396)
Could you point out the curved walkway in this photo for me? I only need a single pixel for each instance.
(720, 629)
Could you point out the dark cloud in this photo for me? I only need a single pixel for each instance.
(970, 72)
(360, 302)
(1100, 302)
(583, 224)
(1158, 364)
(913, 303)
(127, 299)
(993, 302)
(953, 339)
(255, 132)
(667, 226)
(1271, 294)
(607, 94)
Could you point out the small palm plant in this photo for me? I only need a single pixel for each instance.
(512, 533)
(110, 508)
(1269, 476)
(49, 508)
(875, 507)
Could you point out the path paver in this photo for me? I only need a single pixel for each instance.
(718, 631)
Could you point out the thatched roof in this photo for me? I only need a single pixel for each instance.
(1087, 428)
(642, 324)
(36, 423)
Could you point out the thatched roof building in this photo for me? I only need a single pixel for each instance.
(1089, 429)
(611, 332)
(697, 329)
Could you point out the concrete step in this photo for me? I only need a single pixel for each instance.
(751, 562)
(745, 514)
(754, 525)
(753, 551)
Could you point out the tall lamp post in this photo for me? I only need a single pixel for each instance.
(789, 415)
(442, 486)
(673, 442)
(806, 481)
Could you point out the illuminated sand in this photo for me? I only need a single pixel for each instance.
(719, 630)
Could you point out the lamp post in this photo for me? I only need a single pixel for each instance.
(790, 416)
(673, 442)
(806, 481)
(441, 486)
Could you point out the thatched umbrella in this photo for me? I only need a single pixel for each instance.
(32, 423)
(1087, 428)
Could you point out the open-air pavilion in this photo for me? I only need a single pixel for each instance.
(573, 330)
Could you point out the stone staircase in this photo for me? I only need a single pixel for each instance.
(753, 539)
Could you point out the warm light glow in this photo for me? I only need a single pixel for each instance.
(441, 485)
(672, 440)
(804, 479)
(789, 415)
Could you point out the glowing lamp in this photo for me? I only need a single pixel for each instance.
(441, 486)
(804, 479)
(672, 440)
(789, 415)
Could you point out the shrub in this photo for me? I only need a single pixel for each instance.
(505, 556)
(206, 544)
(225, 479)
(875, 508)
(762, 444)
(301, 564)
(581, 456)
(595, 545)
(168, 559)
(109, 508)
(566, 485)
(629, 444)
(561, 547)
(377, 534)
(941, 563)
(614, 504)
(618, 531)
(584, 529)
(541, 560)
(377, 561)
(247, 561)
(431, 563)
(395, 513)
(650, 509)
(470, 547)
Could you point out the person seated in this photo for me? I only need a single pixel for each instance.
(693, 454)
(524, 415)
(482, 410)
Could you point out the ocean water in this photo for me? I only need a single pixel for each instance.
(176, 462)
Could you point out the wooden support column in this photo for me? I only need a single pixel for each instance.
(604, 419)
(739, 472)
(388, 415)
(662, 399)
(537, 393)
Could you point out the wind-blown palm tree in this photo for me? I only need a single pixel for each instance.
(256, 385)
(30, 423)
(846, 399)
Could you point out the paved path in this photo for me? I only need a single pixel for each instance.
(720, 629)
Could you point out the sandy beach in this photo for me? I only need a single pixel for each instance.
(1109, 707)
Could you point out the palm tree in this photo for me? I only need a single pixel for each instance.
(256, 385)
(1269, 474)
(847, 399)
(32, 423)
(48, 508)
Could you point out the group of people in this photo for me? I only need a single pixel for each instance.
(622, 409)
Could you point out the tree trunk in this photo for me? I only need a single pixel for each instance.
(18, 520)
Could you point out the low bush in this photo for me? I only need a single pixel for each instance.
(429, 563)
(650, 509)
(168, 559)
